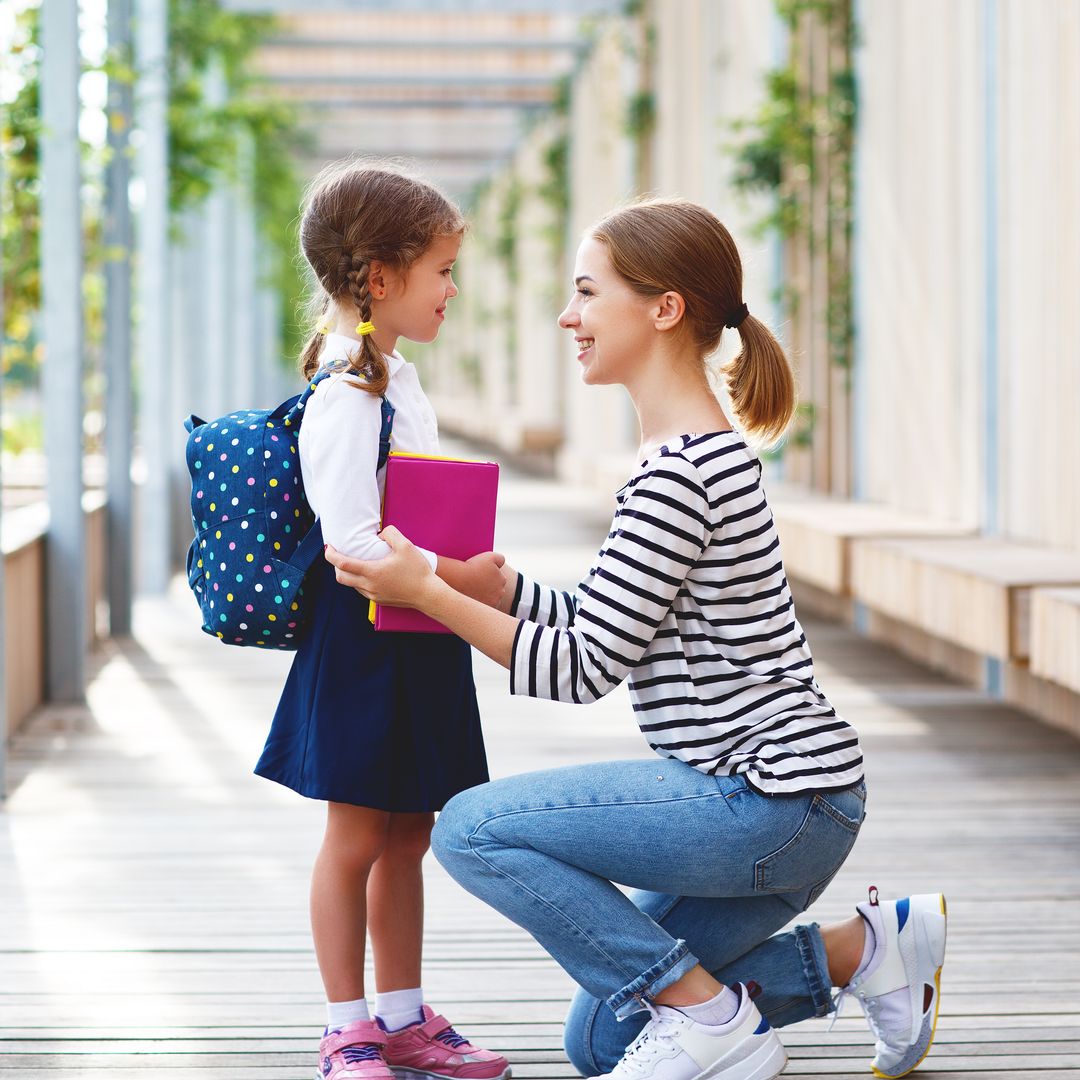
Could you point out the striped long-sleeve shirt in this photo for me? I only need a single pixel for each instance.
(688, 597)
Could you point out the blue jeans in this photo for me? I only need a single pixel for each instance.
(718, 868)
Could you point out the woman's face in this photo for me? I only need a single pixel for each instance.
(610, 322)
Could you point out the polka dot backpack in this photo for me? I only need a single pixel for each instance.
(256, 537)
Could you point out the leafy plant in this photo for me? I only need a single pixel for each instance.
(800, 140)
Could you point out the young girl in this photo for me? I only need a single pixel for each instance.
(758, 794)
(383, 727)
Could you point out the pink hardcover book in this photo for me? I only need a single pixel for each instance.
(443, 504)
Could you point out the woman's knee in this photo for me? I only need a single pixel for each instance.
(593, 1039)
(455, 823)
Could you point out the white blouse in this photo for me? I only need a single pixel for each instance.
(339, 448)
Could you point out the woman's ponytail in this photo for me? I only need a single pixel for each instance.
(760, 382)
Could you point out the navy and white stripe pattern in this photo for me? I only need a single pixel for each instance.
(688, 597)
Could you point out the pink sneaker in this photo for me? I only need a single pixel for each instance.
(432, 1048)
(354, 1052)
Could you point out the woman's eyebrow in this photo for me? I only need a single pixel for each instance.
(584, 277)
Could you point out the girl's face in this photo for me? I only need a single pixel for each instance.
(610, 322)
(415, 303)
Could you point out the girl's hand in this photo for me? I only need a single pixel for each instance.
(399, 580)
(483, 578)
(506, 597)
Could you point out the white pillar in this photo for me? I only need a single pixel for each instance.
(248, 389)
(61, 275)
(118, 388)
(153, 292)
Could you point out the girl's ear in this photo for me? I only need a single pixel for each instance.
(377, 275)
(667, 311)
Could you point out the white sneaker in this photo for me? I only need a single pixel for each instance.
(671, 1046)
(900, 987)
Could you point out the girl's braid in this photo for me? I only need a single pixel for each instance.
(372, 362)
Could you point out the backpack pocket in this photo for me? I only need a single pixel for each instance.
(248, 597)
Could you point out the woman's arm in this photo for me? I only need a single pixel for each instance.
(660, 532)
(405, 579)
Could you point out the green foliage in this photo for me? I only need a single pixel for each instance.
(640, 116)
(506, 229)
(555, 191)
(207, 135)
(782, 148)
(20, 128)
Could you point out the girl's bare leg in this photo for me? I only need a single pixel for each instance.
(395, 903)
(355, 838)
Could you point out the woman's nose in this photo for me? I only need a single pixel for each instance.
(568, 318)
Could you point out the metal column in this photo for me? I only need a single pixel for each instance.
(153, 294)
(118, 388)
(61, 274)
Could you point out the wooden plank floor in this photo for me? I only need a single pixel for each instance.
(153, 891)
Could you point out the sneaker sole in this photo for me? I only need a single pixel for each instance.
(766, 1062)
(937, 947)
(402, 1072)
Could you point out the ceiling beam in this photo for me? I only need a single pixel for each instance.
(397, 104)
(413, 45)
(434, 7)
(410, 79)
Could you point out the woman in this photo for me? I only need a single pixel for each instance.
(760, 793)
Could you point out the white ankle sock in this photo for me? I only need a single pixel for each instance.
(869, 944)
(716, 1011)
(399, 1008)
(340, 1013)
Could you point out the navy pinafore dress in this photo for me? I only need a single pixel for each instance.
(383, 720)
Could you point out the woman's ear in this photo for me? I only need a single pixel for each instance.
(667, 311)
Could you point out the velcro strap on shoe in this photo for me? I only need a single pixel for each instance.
(432, 1027)
(331, 1044)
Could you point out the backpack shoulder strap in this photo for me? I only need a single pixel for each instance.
(384, 434)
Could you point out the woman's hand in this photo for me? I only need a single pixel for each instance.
(405, 579)
(399, 580)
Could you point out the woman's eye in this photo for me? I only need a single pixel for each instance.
(582, 291)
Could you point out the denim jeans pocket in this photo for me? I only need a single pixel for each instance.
(810, 859)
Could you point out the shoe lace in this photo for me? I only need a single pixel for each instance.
(871, 1008)
(452, 1039)
(653, 1039)
(353, 1055)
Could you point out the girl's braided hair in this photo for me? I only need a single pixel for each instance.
(355, 213)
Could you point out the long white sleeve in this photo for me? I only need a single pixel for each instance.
(339, 450)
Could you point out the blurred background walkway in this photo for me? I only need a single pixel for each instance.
(154, 890)
(903, 179)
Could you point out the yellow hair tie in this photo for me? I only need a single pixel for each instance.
(324, 326)
(365, 328)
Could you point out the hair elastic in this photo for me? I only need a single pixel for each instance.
(365, 328)
(734, 320)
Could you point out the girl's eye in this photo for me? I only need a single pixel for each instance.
(448, 270)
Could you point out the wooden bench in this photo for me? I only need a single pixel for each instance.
(976, 593)
(816, 534)
(1055, 636)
